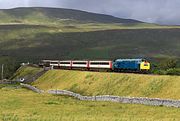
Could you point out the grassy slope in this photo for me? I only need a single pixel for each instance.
(36, 43)
(95, 83)
(20, 104)
(25, 71)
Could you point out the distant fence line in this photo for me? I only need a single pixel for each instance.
(7, 82)
(110, 98)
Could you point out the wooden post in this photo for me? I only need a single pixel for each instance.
(2, 71)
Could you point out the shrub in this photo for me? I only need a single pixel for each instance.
(173, 71)
(161, 72)
(168, 63)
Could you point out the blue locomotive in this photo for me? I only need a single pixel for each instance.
(131, 65)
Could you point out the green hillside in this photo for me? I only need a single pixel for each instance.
(36, 42)
(102, 83)
(30, 15)
(25, 71)
(32, 34)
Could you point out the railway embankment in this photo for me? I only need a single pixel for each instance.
(103, 83)
(28, 74)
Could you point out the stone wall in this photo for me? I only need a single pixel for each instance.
(32, 88)
(129, 100)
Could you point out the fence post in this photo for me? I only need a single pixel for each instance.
(2, 72)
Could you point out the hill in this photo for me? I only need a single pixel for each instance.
(21, 15)
(102, 83)
(32, 34)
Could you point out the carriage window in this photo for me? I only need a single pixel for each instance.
(64, 62)
(54, 62)
(99, 63)
(81, 63)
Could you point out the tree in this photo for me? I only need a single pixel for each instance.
(168, 63)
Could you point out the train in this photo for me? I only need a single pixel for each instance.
(117, 65)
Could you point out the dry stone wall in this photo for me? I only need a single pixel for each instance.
(119, 99)
(32, 88)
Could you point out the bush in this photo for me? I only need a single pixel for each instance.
(173, 71)
(161, 72)
(168, 63)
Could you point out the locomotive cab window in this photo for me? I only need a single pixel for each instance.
(145, 64)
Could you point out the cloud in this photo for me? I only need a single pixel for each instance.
(12, 3)
(154, 11)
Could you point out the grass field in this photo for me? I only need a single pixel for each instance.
(24, 105)
(99, 83)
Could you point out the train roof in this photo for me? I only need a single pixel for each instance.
(129, 59)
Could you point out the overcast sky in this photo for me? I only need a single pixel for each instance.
(155, 11)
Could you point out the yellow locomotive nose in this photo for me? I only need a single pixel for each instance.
(145, 65)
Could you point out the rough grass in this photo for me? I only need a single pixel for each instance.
(25, 71)
(23, 105)
(129, 43)
(99, 83)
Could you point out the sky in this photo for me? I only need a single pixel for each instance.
(152, 11)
